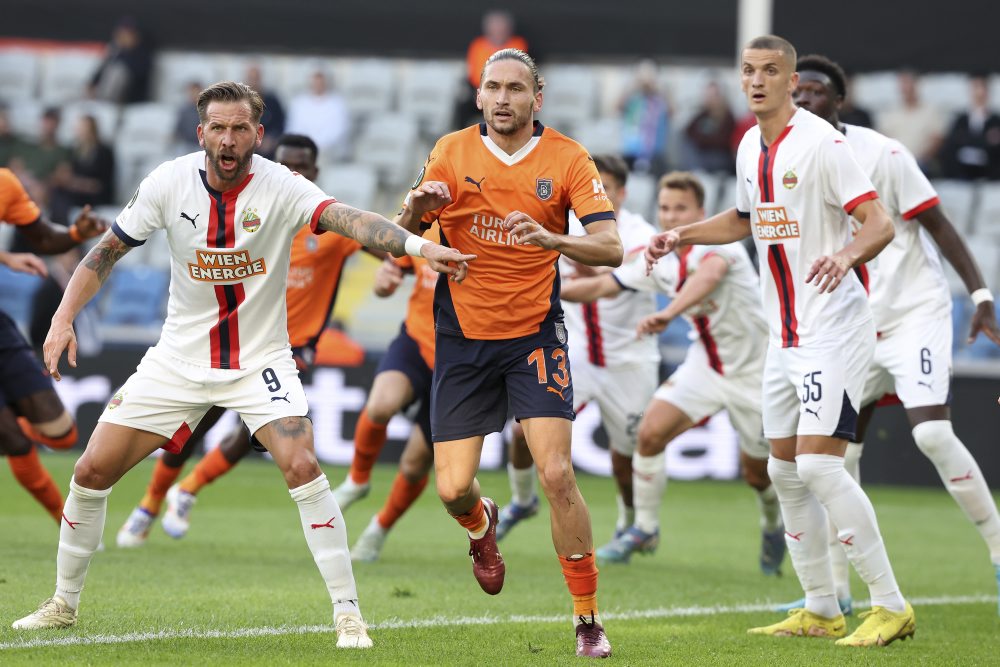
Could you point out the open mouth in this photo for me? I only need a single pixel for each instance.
(227, 162)
(758, 97)
(503, 115)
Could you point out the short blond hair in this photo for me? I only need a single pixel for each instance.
(774, 43)
(230, 91)
(684, 180)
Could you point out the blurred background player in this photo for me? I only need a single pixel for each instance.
(798, 202)
(612, 367)
(715, 289)
(403, 379)
(501, 190)
(30, 409)
(911, 305)
(317, 263)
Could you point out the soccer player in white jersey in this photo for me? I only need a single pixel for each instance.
(797, 186)
(229, 216)
(911, 305)
(611, 366)
(715, 289)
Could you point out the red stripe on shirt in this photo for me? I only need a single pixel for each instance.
(777, 260)
(314, 221)
(705, 333)
(920, 208)
(595, 339)
(765, 166)
(853, 204)
(862, 273)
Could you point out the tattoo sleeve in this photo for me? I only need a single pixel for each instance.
(102, 257)
(369, 229)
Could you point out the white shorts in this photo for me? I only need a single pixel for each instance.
(699, 392)
(913, 362)
(817, 390)
(168, 396)
(621, 394)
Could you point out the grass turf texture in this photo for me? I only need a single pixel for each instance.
(245, 567)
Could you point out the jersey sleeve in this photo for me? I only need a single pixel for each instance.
(304, 202)
(700, 253)
(914, 192)
(16, 207)
(846, 184)
(143, 214)
(586, 191)
(632, 275)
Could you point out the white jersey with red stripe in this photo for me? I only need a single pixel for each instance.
(229, 256)
(603, 332)
(798, 193)
(729, 321)
(907, 279)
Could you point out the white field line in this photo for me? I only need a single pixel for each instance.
(435, 622)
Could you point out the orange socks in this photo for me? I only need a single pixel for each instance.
(369, 438)
(32, 475)
(401, 496)
(475, 520)
(64, 441)
(581, 579)
(159, 484)
(213, 465)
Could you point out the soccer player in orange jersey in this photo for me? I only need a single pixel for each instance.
(30, 409)
(503, 190)
(317, 263)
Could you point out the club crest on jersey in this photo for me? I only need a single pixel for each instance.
(116, 400)
(561, 333)
(543, 188)
(790, 180)
(250, 220)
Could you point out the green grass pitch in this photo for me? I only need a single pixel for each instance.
(241, 588)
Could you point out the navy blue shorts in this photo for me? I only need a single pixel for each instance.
(475, 381)
(404, 356)
(21, 374)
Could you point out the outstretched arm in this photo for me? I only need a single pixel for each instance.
(47, 238)
(600, 246)
(722, 228)
(957, 253)
(589, 288)
(426, 197)
(875, 234)
(710, 273)
(86, 281)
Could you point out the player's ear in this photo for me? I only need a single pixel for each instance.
(479, 100)
(537, 106)
(201, 136)
(260, 134)
(793, 81)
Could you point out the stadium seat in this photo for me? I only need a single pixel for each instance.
(428, 93)
(986, 250)
(640, 195)
(16, 292)
(24, 116)
(368, 86)
(18, 75)
(298, 72)
(135, 296)
(148, 128)
(65, 75)
(948, 91)
(105, 113)
(601, 136)
(957, 198)
(354, 184)
(173, 71)
(570, 96)
(876, 91)
(987, 218)
(388, 144)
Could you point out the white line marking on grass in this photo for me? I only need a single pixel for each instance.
(441, 622)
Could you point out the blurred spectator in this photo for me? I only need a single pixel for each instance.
(645, 122)
(743, 125)
(918, 126)
(852, 114)
(273, 118)
(186, 131)
(706, 145)
(123, 76)
(972, 148)
(322, 115)
(10, 143)
(498, 33)
(35, 163)
(89, 176)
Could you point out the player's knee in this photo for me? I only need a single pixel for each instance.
(649, 440)
(755, 474)
(380, 409)
(89, 475)
(452, 492)
(935, 438)
(14, 444)
(301, 469)
(556, 478)
(414, 467)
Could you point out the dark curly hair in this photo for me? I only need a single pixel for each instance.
(823, 65)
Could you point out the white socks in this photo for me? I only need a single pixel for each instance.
(649, 481)
(522, 484)
(962, 477)
(838, 557)
(857, 528)
(326, 534)
(770, 509)
(79, 535)
(626, 514)
(805, 534)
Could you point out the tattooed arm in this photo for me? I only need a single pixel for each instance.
(373, 231)
(85, 283)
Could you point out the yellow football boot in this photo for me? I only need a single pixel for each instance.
(802, 623)
(882, 627)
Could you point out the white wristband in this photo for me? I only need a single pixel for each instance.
(981, 295)
(413, 245)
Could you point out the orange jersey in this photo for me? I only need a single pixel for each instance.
(420, 309)
(510, 289)
(16, 206)
(317, 262)
(480, 50)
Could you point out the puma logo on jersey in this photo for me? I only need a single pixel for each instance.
(926, 384)
(478, 184)
(190, 219)
(281, 398)
(814, 413)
